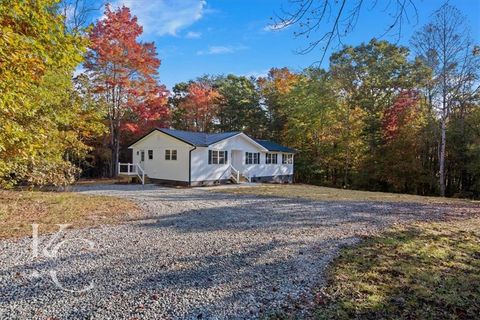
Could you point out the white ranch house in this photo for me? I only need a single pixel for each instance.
(196, 158)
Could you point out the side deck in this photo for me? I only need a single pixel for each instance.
(131, 169)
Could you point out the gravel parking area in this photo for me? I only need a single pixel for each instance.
(195, 254)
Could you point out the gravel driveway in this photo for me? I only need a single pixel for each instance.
(196, 254)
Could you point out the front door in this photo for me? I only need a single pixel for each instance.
(236, 159)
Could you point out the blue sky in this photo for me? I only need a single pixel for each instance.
(195, 37)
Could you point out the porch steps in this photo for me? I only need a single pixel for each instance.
(136, 179)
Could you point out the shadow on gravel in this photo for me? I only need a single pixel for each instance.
(280, 214)
(133, 281)
(243, 274)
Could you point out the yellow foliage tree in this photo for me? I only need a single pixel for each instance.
(39, 120)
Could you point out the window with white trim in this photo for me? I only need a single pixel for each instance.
(170, 154)
(287, 158)
(150, 154)
(271, 158)
(217, 157)
(252, 158)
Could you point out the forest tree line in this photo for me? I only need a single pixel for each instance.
(381, 117)
(368, 122)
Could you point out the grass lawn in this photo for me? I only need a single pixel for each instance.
(99, 181)
(19, 209)
(310, 192)
(423, 271)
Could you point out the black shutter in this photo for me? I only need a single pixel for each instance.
(209, 156)
(226, 156)
(258, 158)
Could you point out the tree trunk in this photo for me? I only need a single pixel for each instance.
(444, 115)
(347, 151)
(114, 147)
(114, 165)
(114, 153)
(442, 155)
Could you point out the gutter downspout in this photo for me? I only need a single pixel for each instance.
(190, 166)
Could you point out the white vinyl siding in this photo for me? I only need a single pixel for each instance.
(158, 167)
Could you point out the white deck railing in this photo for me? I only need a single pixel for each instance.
(234, 174)
(132, 169)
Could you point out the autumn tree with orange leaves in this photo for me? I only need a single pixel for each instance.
(124, 72)
(200, 106)
(273, 88)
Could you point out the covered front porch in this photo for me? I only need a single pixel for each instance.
(236, 166)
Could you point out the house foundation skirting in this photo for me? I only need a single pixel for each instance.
(210, 182)
(169, 182)
(271, 179)
(275, 179)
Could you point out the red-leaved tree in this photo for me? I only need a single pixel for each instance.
(151, 113)
(403, 130)
(400, 113)
(200, 106)
(123, 71)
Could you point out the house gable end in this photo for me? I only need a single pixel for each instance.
(242, 136)
(146, 136)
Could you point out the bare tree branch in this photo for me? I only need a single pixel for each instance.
(77, 13)
(329, 21)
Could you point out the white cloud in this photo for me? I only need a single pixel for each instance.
(193, 35)
(221, 50)
(216, 50)
(278, 26)
(164, 17)
(257, 74)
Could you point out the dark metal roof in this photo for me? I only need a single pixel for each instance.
(202, 139)
(273, 146)
(199, 139)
